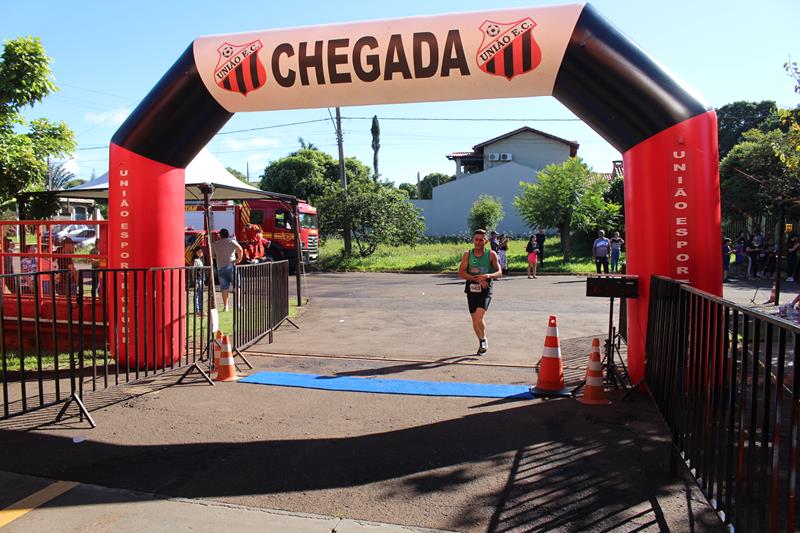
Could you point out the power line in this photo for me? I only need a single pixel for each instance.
(274, 126)
(101, 147)
(460, 119)
(99, 92)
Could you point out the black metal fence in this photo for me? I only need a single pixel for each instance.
(724, 378)
(260, 301)
(67, 333)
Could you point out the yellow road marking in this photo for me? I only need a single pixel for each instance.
(28, 504)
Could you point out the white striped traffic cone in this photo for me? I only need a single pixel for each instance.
(594, 392)
(227, 368)
(551, 369)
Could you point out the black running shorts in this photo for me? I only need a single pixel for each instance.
(479, 299)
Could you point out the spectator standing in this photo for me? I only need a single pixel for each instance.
(769, 257)
(742, 261)
(227, 252)
(199, 280)
(617, 243)
(8, 263)
(64, 283)
(532, 249)
(493, 242)
(792, 245)
(753, 251)
(600, 251)
(540, 236)
(28, 265)
(726, 257)
(502, 253)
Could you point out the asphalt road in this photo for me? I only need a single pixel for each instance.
(425, 316)
(463, 464)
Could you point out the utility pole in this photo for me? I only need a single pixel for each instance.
(248, 172)
(419, 187)
(348, 246)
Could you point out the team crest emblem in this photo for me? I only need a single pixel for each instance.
(508, 49)
(238, 68)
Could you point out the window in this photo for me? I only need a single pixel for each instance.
(282, 220)
(257, 217)
(308, 220)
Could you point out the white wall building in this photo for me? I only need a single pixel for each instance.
(494, 167)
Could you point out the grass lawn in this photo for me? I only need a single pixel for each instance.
(445, 257)
(48, 360)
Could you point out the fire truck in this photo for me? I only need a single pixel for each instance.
(264, 228)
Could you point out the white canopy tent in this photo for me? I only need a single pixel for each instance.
(204, 170)
(206, 179)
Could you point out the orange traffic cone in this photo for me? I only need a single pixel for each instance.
(217, 350)
(227, 368)
(594, 392)
(551, 369)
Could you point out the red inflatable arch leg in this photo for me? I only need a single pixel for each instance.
(672, 216)
(147, 220)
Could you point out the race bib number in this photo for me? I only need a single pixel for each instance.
(475, 287)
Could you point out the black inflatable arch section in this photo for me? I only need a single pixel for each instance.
(666, 134)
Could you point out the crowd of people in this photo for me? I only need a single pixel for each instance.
(755, 256)
(534, 250)
(606, 253)
(604, 249)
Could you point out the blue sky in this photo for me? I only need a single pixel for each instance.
(107, 56)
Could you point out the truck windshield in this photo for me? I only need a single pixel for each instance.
(308, 221)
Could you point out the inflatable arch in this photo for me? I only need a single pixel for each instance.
(667, 135)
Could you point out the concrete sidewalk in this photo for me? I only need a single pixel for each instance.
(80, 507)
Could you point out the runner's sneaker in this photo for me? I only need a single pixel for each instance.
(483, 347)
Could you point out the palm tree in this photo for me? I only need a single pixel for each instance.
(58, 177)
(376, 145)
(304, 145)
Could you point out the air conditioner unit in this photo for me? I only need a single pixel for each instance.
(505, 157)
(494, 157)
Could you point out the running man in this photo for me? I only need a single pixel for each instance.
(479, 267)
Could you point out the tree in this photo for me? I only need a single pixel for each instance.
(430, 181)
(314, 175)
(26, 79)
(306, 146)
(752, 176)
(594, 211)
(789, 151)
(58, 177)
(551, 203)
(486, 213)
(241, 176)
(410, 189)
(377, 213)
(616, 195)
(306, 173)
(376, 145)
(736, 118)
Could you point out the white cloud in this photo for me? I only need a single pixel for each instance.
(111, 118)
(71, 165)
(258, 158)
(244, 144)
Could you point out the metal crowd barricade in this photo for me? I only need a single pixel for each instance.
(260, 302)
(725, 379)
(61, 332)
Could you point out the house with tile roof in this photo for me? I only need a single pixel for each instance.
(494, 167)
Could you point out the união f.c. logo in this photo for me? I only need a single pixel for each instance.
(508, 48)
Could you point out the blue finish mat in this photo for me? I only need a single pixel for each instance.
(388, 386)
